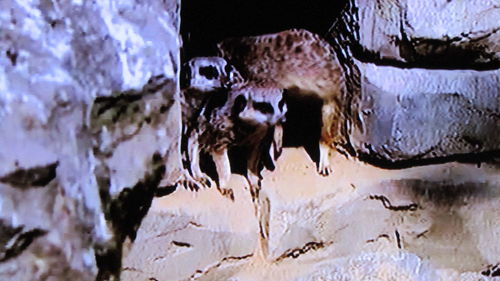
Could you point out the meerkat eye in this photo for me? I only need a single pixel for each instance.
(264, 107)
(210, 72)
(239, 104)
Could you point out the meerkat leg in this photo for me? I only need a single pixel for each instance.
(253, 174)
(185, 178)
(223, 167)
(194, 157)
(260, 200)
(324, 166)
(329, 132)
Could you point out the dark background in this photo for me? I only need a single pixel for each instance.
(206, 22)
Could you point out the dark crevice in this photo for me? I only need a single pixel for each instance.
(310, 246)
(398, 239)
(125, 212)
(378, 237)
(446, 61)
(181, 244)
(14, 240)
(37, 176)
(419, 52)
(474, 158)
(198, 273)
(387, 204)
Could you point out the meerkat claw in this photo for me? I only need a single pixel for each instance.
(226, 192)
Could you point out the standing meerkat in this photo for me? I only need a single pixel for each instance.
(246, 116)
(202, 78)
(299, 61)
(220, 111)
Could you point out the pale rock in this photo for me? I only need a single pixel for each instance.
(425, 114)
(56, 58)
(437, 33)
(434, 222)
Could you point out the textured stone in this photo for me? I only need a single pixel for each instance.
(430, 33)
(361, 223)
(59, 61)
(422, 114)
(191, 235)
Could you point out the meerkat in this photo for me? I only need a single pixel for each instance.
(202, 77)
(221, 110)
(247, 116)
(301, 62)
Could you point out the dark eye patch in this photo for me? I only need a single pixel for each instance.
(209, 71)
(239, 104)
(264, 107)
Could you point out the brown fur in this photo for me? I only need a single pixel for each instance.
(295, 59)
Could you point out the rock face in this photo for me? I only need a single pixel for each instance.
(424, 79)
(423, 114)
(435, 222)
(437, 33)
(89, 110)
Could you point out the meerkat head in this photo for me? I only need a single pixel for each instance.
(259, 106)
(208, 74)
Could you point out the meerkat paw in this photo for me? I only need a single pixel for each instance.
(189, 182)
(226, 192)
(204, 180)
(325, 169)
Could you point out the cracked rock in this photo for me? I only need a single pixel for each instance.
(431, 33)
(70, 176)
(411, 116)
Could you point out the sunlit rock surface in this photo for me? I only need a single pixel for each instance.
(436, 222)
(437, 33)
(60, 154)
